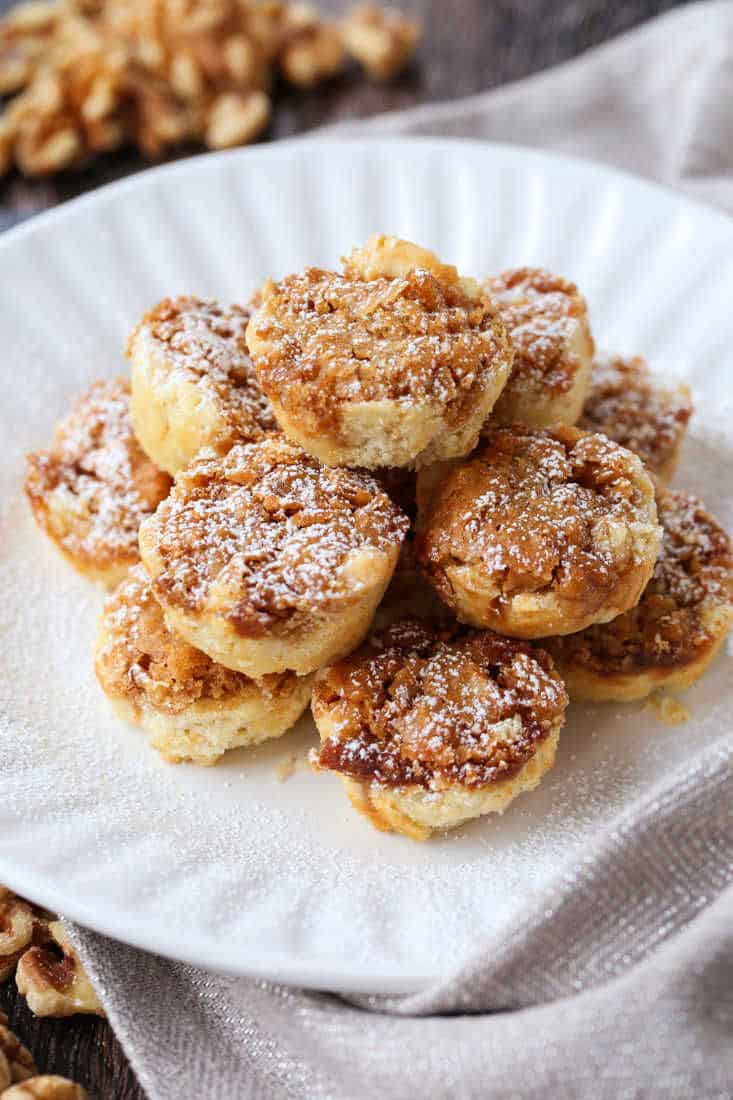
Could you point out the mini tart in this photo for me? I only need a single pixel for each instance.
(193, 382)
(540, 533)
(396, 361)
(627, 404)
(92, 487)
(678, 626)
(192, 708)
(266, 560)
(429, 727)
(547, 319)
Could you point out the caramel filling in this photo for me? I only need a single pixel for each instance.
(539, 310)
(626, 405)
(326, 339)
(204, 344)
(274, 529)
(92, 488)
(418, 706)
(692, 579)
(538, 511)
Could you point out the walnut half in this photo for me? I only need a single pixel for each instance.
(21, 926)
(383, 40)
(45, 1088)
(16, 1063)
(312, 51)
(53, 981)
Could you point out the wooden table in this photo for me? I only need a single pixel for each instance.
(469, 45)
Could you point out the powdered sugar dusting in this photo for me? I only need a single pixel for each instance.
(419, 706)
(542, 313)
(533, 511)
(140, 659)
(326, 339)
(273, 528)
(629, 405)
(93, 486)
(671, 624)
(204, 344)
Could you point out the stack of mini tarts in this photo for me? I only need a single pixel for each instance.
(391, 428)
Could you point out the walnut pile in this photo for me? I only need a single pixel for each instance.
(48, 973)
(90, 76)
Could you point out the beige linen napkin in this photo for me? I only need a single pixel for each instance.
(657, 101)
(618, 983)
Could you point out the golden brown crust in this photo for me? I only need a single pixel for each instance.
(421, 338)
(436, 707)
(547, 320)
(204, 343)
(145, 663)
(94, 485)
(263, 536)
(685, 612)
(540, 532)
(46, 1087)
(628, 405)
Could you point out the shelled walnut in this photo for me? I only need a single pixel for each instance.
(53, 981)
(25, 34)
(312, 51)
(45, 1088)
(383, 40)
(16, 1063)
(236, 119)
(22, 925)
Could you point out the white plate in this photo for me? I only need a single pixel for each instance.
(231, 867)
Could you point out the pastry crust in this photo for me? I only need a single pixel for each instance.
(539, 533)
(92, 487)
(628, 405)
(394, 362)
(193, 382)
(547, 320)
(430, 726)
(266, 560)
(192, 708)
(675, 631)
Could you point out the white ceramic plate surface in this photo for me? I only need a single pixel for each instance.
(231, 867)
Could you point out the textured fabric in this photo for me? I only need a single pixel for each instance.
(618, 983)
(657, 101)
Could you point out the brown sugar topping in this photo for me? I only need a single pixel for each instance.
(92, 488)
(627, 405)
(693, 578)
(540, 311)
(205, 345)
(332, 339)
(537, 511)
(417, 705)
(271, 525)
(144, 661)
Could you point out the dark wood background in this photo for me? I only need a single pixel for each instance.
(469, 45)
